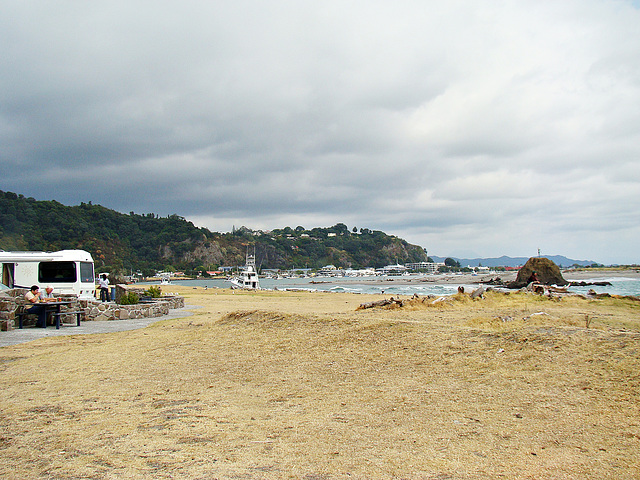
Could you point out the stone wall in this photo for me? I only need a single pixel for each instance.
(7, 311)
(112, 311)
(13, 300)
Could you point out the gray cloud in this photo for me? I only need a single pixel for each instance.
(466, 127)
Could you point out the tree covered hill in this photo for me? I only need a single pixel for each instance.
(120, 243)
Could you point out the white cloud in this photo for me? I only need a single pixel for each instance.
(462, 126)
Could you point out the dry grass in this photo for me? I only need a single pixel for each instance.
(300, 385)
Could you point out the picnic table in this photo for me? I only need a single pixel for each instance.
(53, 309)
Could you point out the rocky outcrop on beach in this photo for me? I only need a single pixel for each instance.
(589, 284)
(493, 281)
(548, 273)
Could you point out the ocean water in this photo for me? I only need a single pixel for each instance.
(619, 286)
(389, 285)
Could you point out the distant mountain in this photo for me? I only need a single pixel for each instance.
(505, 261)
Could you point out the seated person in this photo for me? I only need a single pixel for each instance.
(533, 278)
(34, 297)
(48, 294)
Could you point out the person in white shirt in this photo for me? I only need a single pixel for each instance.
(48, 294)
(104, 288)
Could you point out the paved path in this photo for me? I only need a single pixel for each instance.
(28, 334)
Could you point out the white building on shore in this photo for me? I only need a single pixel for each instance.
(428, 267)
(393, 269)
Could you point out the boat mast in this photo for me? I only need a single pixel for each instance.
(251, 257)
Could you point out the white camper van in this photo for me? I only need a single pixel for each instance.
(67, 271)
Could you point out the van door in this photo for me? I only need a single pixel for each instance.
(8, 272)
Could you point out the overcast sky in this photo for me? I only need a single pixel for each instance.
(471, 128)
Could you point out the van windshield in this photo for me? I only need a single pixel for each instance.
(86, 272)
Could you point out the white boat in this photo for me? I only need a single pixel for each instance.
(248, 277)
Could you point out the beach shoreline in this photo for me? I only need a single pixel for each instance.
(471, 279)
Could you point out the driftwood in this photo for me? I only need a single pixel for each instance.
(592, 294)
(478, 292)
(439, 300)
(381, 303)
(557, 289)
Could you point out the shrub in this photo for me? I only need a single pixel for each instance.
(131, 298)
(153, 292)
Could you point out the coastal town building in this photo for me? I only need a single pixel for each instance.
(428, 267)
(396, 269)
(328, 270)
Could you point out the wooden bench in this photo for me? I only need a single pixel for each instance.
(58, 315)
(21, 315)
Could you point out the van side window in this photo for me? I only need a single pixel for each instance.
(57, 272)
(86, 272)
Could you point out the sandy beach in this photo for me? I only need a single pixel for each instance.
(304, 385)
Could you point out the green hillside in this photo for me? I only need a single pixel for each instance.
(120, 243)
